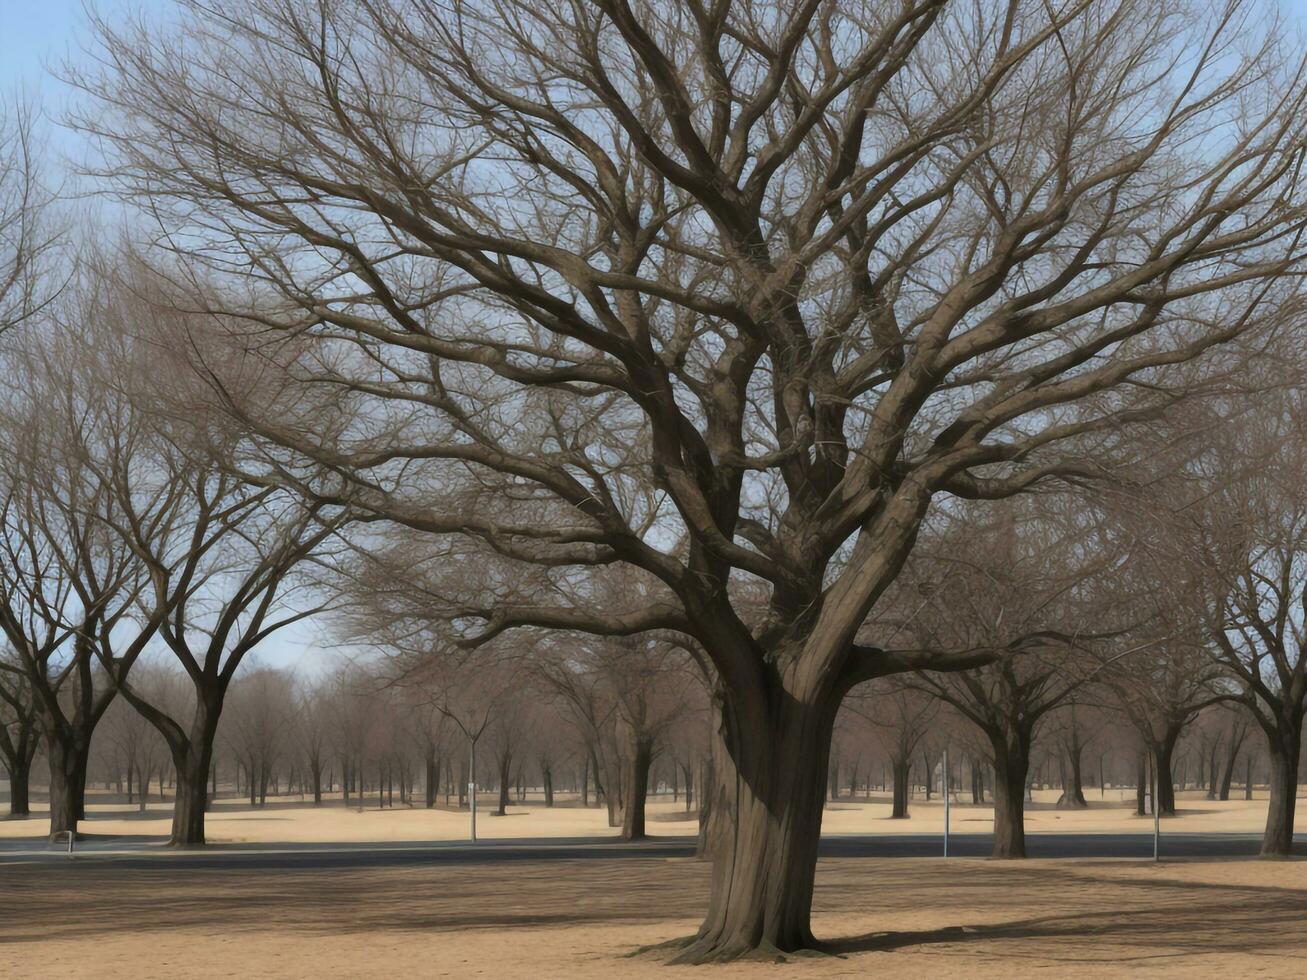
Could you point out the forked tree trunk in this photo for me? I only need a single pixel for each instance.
(765, 819)
(67, 759)
(900, 769)
(1285, 749)
(1011, 767)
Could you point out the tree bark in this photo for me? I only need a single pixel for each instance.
(765, 820)
(1011, 768)
(67, 759)
(900, 769)
(20, 774)
(505, 775)
(1285, 749)
(432, 780)
(1232, 746)
(1073, 785)
(1141, 784)
(547, 777)
(192, 762)
(1165, 789)
(636, 790)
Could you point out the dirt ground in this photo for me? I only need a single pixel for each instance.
(579, 919)
(291, 820)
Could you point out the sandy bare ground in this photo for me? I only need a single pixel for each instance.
(900, 918)
(290, 820)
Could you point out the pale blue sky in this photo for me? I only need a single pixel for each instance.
(39, 34)
(36, 35)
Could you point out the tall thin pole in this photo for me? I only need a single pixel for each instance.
(472, 789)
(946, 813)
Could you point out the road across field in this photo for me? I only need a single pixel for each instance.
(144, 853)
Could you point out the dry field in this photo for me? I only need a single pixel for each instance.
(289, 820)
(579, 919)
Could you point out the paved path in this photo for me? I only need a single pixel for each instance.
(142, 852)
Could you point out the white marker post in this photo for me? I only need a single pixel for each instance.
(946, 803)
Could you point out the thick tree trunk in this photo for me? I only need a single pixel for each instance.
(315, 767)
(1141, 783)
(766, 822)
(1011, 767)
(432, 781)
(192, 762)
(901, 769)
(1248, 776)
(1285, 749)
(20, 774)
(67, 759)
(636, 789)
(547, 777)
(1165, 779)
(716, 791)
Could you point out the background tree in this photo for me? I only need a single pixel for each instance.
(903, 716)
(1033, 579)
(19, 737)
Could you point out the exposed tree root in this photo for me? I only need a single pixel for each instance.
(700, 950)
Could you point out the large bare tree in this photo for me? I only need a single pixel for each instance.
(727, 291)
